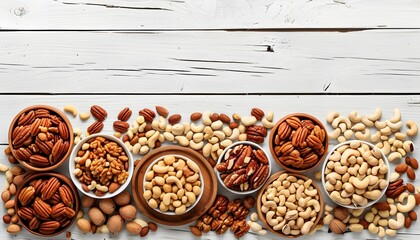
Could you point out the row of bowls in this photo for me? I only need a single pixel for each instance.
(131, 161)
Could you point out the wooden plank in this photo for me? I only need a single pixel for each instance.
(318, 106)
(208, 14)
(210, 62)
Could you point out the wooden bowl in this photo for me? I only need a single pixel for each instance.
(206, 201)
(62, 159)
(261, 215)
(273, 134)
(64, 181)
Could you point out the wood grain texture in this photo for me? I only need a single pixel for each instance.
(318, 106)
(208, 14)
(210, 62)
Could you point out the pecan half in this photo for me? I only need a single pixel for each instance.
(148, 114)
(66, 195)
(121, 126)
(42, 209)
(98, 112)
(49, 227)
(26, 195)
(50, 188)
(95, 127)
(124, 114)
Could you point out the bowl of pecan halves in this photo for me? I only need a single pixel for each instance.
(243, 167)
(47, 203)
(40, 137)
(101, 166)
(298, 142)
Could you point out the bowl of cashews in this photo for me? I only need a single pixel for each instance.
(355, 174)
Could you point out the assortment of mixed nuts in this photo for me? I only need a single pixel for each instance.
(355, 174)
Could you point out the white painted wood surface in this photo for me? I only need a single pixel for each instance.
(180, 62)
(217, 55)
(318, 106)
(207, 14)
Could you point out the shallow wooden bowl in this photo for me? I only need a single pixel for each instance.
(261, 215)
(56, 112)
(64, 180)
(274, 133)
(206, 201)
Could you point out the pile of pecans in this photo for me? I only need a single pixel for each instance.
(101, 165)
(46, 205)
(40, 137)
(244, 168)
(225, 214)
(299, 142)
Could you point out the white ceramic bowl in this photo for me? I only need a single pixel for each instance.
(371, 202)
(254, 146)
(72, 166)
(200, 177)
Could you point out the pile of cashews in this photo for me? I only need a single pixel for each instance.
(209, 136)
(388, 136)
(291, 205)
(172, 184)
(355, 174)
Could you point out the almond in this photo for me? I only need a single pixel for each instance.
(152, 226)
(195, 116)
(411, 174)
(233, 125)
(414, 163)
(113, 187)
(408, 161)
(174, 119)
(162, 111)
(214, 117)
(224, 118)
(401, 168)
(144, 231)
(417, 196)
(382, 206)
(196, 231)
(410, 187)
(407, 222)
(413, 215)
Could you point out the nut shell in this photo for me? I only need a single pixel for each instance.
(107, 206)
(337, 226)
(115, 224)
(341, 213)
(96, 216)
(128, 212)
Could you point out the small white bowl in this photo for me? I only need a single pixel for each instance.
(221, 157)
(371, 202)
(79, 184)
(200, 177)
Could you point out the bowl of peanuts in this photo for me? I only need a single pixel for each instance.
(101, 166)
(298, 142)
(355, 174)
(173, 184)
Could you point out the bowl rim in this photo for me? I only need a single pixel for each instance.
(71, 137)
(324, 165)
(223, 154)
(62, 178)
(273, 134)
(261, 215)
(200, 177)
(78, 184)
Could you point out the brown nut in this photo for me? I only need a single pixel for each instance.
(401, 168)
(124, 114)
(162, 111)
(144, 231)
(148, 114)
(120, 126)
(196, 231)
(195, 116)
(98, 112)
(249, 202)
(341, 213)
(337, 226)
(174, 119)
(152, 226)
(95, 127)
(224, 118)
(411, 174)
(257, 113)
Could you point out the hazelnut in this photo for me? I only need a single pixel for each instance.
(84, 225)
(107, 206)
(133, 228)
(96, 216)
(337, 226)
(341, 213)
(128, 212)
(115, 224)
(122, 199)
(249, 202)
(87, 201)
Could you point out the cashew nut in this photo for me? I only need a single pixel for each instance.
(397, 224)
(331, 116)
(376, 115)
(354, 117)
(408, 146)
(394, 126)
(71, 109)
(379, 125)
(335, 133)
(84, 116)
(206, 118)
(248, 120)
(367, 122)
(411, 203)
(363, 136)
(413, 128)
(358, 127)
(394, 156)
(396, 117)
(267, 124)
(197, 128)
(339, 120)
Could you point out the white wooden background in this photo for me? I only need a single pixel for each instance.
(197, 55)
